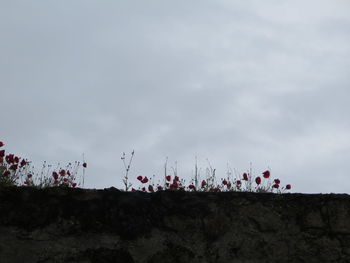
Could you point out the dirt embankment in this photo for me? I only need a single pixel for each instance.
(79, 225)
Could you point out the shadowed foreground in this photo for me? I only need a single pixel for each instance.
(79, 225)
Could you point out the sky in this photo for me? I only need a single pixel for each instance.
(246, 83)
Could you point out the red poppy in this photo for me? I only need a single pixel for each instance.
(175, 181)
(139, 178)
(144, 180)
(176, 178)
(245, 177)
(65, 180)
(62, 172)
(277, 181)
(276, 186)
(55, 175)
(288, 186)
(13, 167)
(224, 182)
(258, 180)
(191, 186)
(23, 163)
(143, 189)
(168, 178)
(29, 175)
(238, 182)
(1, 144)
(26, 182)
(9, 158)
(2, 153)
(84, 165)
(204, 183)
(159, 188)
(266, 174)
(16, 159)
(150, 188)
(74, 185)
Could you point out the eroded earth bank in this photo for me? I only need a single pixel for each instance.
(79, 225)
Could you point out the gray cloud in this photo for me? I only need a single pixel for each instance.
(232, 81)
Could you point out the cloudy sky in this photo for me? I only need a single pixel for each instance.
(235, 82)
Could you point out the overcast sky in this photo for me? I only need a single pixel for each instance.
(237, 82)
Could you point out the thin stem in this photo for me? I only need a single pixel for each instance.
(165, 171)
(196, 174)
(127, 169)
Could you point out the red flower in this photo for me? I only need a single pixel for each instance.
(13, 167)
(74, 185)
(159, 188)
(26, 182)
(277, 181)
(23, 163)
(238, 182)
(55, 175)
(224, 182)
(29, 175)
(65, 180)
(258, 180)
(175, 181)
(2, 153)
(84, 165)
(68, 173)
(6, 173)
(133, 189)
(288, 186)
(139, 178)
(16, 159)
(176, 178)
(191, 186)
(9, 158)
(1, 144)
(204, 183)
(245, 177)
(143, 189)
(168, 178)
(266, 174)
(276, 186)
(228, 185)
(174, 185)
(62, 172)
(150, 188)
(144, 180)
(55, 182)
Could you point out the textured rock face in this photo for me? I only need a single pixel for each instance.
(75, 225)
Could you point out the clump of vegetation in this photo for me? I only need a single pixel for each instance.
(17, 171)
(245, 182)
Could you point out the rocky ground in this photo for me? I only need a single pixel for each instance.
(79, 225)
